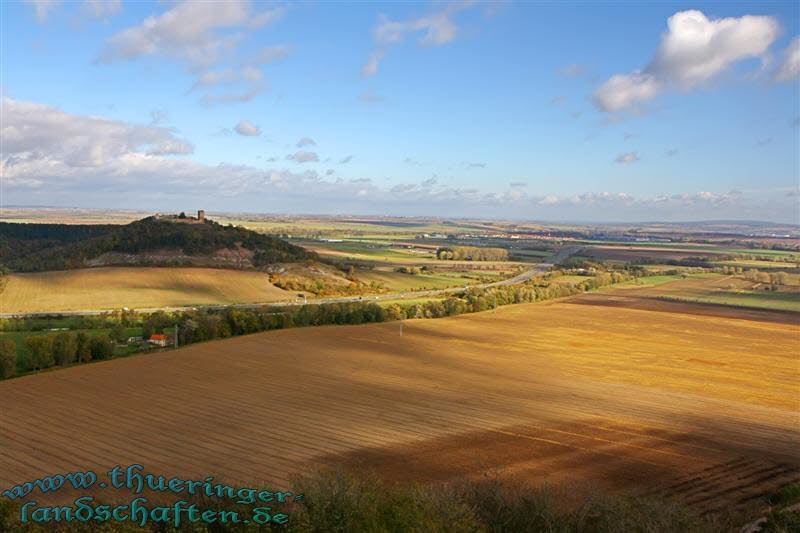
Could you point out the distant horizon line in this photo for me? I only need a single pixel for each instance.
(429, 217)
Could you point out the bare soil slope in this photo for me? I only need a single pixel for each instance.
(702, 406)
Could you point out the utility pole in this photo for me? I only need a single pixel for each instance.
(176, 335)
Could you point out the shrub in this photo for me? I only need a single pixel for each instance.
(40, 348)
(83, 349)
(341, 502)
(8, 358)
(101, 347)
(65, 348)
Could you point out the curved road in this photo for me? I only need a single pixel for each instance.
(540, 268)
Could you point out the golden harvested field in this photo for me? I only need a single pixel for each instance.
(136, 288)
(705, 407)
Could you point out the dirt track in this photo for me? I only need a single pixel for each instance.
(702, 406)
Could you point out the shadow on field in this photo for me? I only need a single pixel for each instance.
(622, 458)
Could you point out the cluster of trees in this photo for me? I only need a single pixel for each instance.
(58, 349)
(124, 317)
(32, 249)
(414, 271)
(22, 240)
(319, 287)
(695, 261)
(201, 325)
(472, 253)
(772, 278)
(772, 258)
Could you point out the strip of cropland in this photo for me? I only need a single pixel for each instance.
(700, 406)
(135, 287)
(740, 296)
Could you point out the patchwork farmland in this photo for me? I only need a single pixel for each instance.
(700, 406)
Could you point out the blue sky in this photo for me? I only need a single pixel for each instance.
(557, 111)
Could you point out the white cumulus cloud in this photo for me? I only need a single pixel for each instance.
(306, 141)
(790, 67)
(627, 158)
(373, 63)
(272, 54)
(624, 90)
(102, 9)
(43, 8)
(247, 128)
(202, 35)
(434, 29)
(40, 141)
(693, 50)
(301, 156)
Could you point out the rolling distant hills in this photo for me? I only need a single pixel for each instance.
(152, 241)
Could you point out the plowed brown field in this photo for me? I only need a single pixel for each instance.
(702, 406)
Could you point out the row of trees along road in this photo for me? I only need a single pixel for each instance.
(472, 253)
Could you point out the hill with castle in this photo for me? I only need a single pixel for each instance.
(158, 240)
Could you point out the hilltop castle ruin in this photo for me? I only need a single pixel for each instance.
(183, 218)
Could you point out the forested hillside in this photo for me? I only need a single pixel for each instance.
(40, 247)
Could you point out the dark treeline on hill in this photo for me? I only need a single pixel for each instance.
(40, 247)
(21, 240)
(53, 233)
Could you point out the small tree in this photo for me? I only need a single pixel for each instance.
(117, 334)
(8, 358)
(182, 215)
(101, 347)
(84, 347)
(395, 312)
(65, 348)
(41, 351)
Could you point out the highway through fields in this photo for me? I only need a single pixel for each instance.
(537, 270)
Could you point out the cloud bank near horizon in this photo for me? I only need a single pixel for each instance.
(48, 153)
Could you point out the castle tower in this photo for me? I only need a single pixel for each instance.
(201, 215)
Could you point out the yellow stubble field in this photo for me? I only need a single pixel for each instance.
(134, 287)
